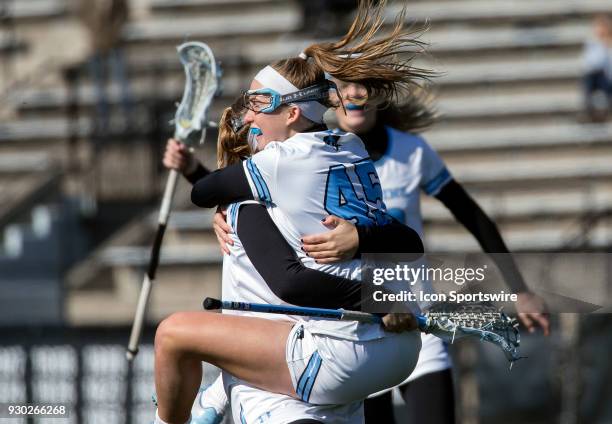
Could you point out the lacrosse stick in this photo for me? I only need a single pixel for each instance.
(340, 314)
(190, 122)
(446, 321)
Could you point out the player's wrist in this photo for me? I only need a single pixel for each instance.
(191, 167)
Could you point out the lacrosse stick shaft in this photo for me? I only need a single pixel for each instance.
(149, 278)
(339, 314)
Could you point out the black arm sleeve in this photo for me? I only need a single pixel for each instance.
(221, 187)
(468, 213)
(287, 277)
(394, 237)
(199, 173)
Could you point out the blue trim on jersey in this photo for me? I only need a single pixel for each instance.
(398, 213)
(432, 187)
(232, 211)
(242, 419)
(308, 377)
(260, 184)
(235, 220)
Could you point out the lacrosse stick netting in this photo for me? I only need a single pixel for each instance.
(451, 321)
(202, 83)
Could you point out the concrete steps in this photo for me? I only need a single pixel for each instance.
(438, 12)
(532, 203)
(266, 35)
(35, 9)
(540, 235)
(552, 134)
(174, 7)
(495, 11)
(263, 20)
(528, 168)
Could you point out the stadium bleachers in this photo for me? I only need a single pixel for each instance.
(508, 98)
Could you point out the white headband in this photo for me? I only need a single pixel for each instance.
(270, 78)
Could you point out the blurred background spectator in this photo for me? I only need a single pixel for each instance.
(598, 69)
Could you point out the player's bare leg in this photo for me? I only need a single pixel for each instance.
(252, 349)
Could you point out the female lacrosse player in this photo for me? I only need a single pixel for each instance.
(312, 173)
(407, 165)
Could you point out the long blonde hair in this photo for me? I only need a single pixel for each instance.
(358, 57)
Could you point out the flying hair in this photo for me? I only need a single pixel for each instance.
(413, 113)
(364, 56)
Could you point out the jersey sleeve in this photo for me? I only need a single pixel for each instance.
(261, 171)
(434, 174)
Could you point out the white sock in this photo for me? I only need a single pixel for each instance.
(160, 421)
(213, 397)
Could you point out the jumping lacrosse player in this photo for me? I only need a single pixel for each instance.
(279, 263)
(312, 173)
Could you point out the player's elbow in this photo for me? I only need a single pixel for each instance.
(293, 287)
(408, 243)
(203, 193)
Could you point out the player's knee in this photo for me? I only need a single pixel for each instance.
(167, 335)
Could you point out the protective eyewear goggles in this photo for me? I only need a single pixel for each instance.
(267, 100)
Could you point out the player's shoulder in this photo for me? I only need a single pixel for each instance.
(405, 140)
(309, 142)
(403, 143)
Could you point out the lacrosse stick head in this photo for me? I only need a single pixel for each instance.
(451, 321)
(202, 84)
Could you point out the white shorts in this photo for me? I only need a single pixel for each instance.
(433, 358)
(254, 406)
(329, 370)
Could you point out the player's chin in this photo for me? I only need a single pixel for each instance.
(261, 144)
(352, 124)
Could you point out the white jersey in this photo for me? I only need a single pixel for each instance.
(241, 282)
(306, 178)
(408, 167)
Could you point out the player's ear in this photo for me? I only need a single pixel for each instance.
(293, 115)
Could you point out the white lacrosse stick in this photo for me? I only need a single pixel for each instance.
(191, 119)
